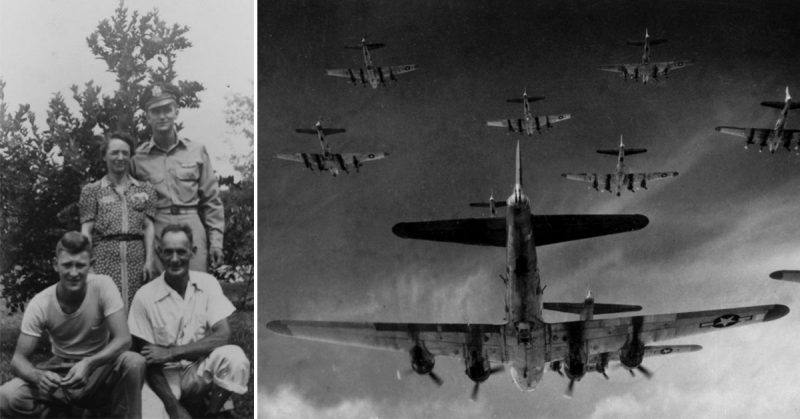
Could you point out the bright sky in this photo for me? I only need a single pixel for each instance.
(43, 50)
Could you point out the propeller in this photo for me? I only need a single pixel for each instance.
(475, 389)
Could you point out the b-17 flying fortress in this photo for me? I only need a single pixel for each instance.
(528, 124)
(328, 160)
(646, 71)
(371, 74)
(771, 138)
(621, 179)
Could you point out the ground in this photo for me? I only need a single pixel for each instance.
(241, 324)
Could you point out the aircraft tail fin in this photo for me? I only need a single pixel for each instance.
(628, 151)
(577, 308)
(779, 105)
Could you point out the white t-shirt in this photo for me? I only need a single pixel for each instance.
(159, 315)
(79, 334)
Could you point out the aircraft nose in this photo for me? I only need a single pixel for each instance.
(524, 379)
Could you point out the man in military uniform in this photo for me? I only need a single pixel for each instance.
(180, 170)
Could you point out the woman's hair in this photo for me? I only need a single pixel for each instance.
(119, 135)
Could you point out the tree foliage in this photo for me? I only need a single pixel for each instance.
(238, 198)
(42, 171)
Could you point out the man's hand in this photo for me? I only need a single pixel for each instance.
(48, 381)
(78, 375)
(157, 354)
(216, 256)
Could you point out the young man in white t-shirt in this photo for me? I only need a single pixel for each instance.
(91, 366)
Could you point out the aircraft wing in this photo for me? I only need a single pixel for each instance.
(665, 67)
(581, 177)
(443, 339)
(513, 124)
(399, 69)
(344, 73)
(552, 119)
(753, 135)
(297, 157)
(651, 176)
(547, 229)
(363, 157)
(608, 335)
(619, 68)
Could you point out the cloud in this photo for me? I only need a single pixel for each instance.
(287, 402)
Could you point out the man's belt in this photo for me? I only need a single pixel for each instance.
(176, 210)
(122, 237)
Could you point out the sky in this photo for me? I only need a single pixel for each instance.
(326, 250)
(44, 51)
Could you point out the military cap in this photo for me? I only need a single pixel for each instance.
(159, 94)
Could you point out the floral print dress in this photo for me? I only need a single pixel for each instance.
(118, 233)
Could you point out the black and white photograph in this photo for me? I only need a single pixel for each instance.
(514, 209)
(127, 215)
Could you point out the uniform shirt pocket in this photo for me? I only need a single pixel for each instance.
(188, 171)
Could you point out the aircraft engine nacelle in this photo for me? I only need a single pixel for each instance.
(631, 354)
(391, 75)
(357, 163)
(422, 361)
(643, 183)
(596, 184)
(574, 369)
(478, 368)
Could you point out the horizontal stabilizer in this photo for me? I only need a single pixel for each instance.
(628, 151)
(780, 105)
(577, 308)
(498, 204)
(369, 46)
(547, 229)
(653, 350)
(793, 276)
(521, 100)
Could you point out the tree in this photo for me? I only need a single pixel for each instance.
(42, 171)
(238, 198)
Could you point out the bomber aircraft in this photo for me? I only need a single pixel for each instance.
(327, 160)
(524, 343)
(621, 178)
(645, 71)
(774, 138)
(528, 124)
(371, 74)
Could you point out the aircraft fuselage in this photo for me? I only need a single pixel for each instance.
(525, 329)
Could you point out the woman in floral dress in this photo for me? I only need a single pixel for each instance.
(116, 213)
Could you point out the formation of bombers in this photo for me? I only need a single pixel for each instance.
(524, 344)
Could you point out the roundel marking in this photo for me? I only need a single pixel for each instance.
(726, 320)
(666, 351)
(370, 155)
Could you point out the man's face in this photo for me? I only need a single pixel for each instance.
(162, 118)
(72, 270)
(175, 253)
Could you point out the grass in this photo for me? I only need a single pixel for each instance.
(241, 324)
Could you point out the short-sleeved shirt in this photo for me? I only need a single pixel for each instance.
(183, 177)
(159, 315)
(82, 333)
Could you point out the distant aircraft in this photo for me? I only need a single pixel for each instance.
(793, 276)
(528, 124)
(621, 179)
(774, 138)
(524, 344)
(327, 160)
(646, 71)
(577, 362)
(372, 75)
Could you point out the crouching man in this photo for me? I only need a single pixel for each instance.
(179, 322)
(91, 367)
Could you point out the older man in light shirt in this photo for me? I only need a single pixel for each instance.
(179, 322)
